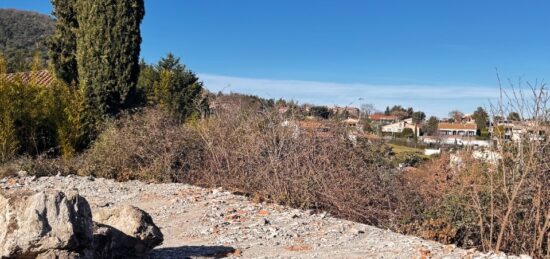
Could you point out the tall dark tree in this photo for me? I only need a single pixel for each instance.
(107, 52)
(418, 117)
(431, 126)
(387, 111)
(514, 116)
(481, 118)
(62, 44)
(320, 112)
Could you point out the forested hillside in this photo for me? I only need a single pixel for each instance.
(21, 34)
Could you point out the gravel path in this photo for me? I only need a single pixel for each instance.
(203, 223)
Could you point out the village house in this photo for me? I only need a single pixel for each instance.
(383, 118)
(400, 126)
(518, 130)
(457, 129)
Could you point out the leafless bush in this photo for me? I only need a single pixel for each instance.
(149, 145)
(501, 204)
(255, 153)
(516, 216)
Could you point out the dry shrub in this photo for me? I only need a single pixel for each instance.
(149, 145)
(501, 205)
(254, 153)
(42, 165)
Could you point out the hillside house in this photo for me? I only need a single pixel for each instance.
(399, 126)
(383, 118)
(457, 129)
(517, 130)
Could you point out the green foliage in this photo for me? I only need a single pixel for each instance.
(481, 117)
(387, 111)
(407, 133)
(107, 52)
(400, 111)
(23, 33)
(514, 116)
(409, 158)
(36, 119)
(172, 87)
(418, 117)
(62, 44)
(484, 134)
(73, 133)
(319, 111)
(431, 126)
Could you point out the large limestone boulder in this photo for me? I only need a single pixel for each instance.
(34, 223)
(124, 231)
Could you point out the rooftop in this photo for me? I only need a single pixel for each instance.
(40, 78)
(456, 126)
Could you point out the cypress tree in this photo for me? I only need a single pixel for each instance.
(108, 45)
(62, 43)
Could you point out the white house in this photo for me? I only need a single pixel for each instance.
(399, 126)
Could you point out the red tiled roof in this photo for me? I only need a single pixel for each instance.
(379, 116)
(40, 78)
(456, 126)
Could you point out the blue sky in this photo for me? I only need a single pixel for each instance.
(435, 55)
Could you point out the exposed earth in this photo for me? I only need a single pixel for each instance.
(206, 223)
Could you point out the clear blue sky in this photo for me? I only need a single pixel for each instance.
(433, 55)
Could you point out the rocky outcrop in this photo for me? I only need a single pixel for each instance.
(124, 231)
(33, 223)
(54, 225)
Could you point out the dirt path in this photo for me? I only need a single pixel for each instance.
(202, 223)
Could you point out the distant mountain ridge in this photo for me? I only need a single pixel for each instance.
(21, 34)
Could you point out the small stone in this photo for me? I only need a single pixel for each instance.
(264, 222)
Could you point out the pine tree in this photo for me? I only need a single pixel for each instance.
(178, 89)
(62, 43)
(107, 52)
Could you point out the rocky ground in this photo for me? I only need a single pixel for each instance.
(203, 223)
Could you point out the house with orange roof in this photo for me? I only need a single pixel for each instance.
(383, 118)
(457, 129)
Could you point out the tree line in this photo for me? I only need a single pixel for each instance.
(94, 56)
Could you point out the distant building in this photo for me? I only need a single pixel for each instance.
(399, 126)
(383, 118)
(457, 129)
(518, 130)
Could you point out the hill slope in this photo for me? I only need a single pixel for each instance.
(21, 34)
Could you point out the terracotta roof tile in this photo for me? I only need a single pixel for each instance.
(41, 78)
(456, 126)
(383, 117)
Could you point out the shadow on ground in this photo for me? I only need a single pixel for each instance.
(192, 251)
